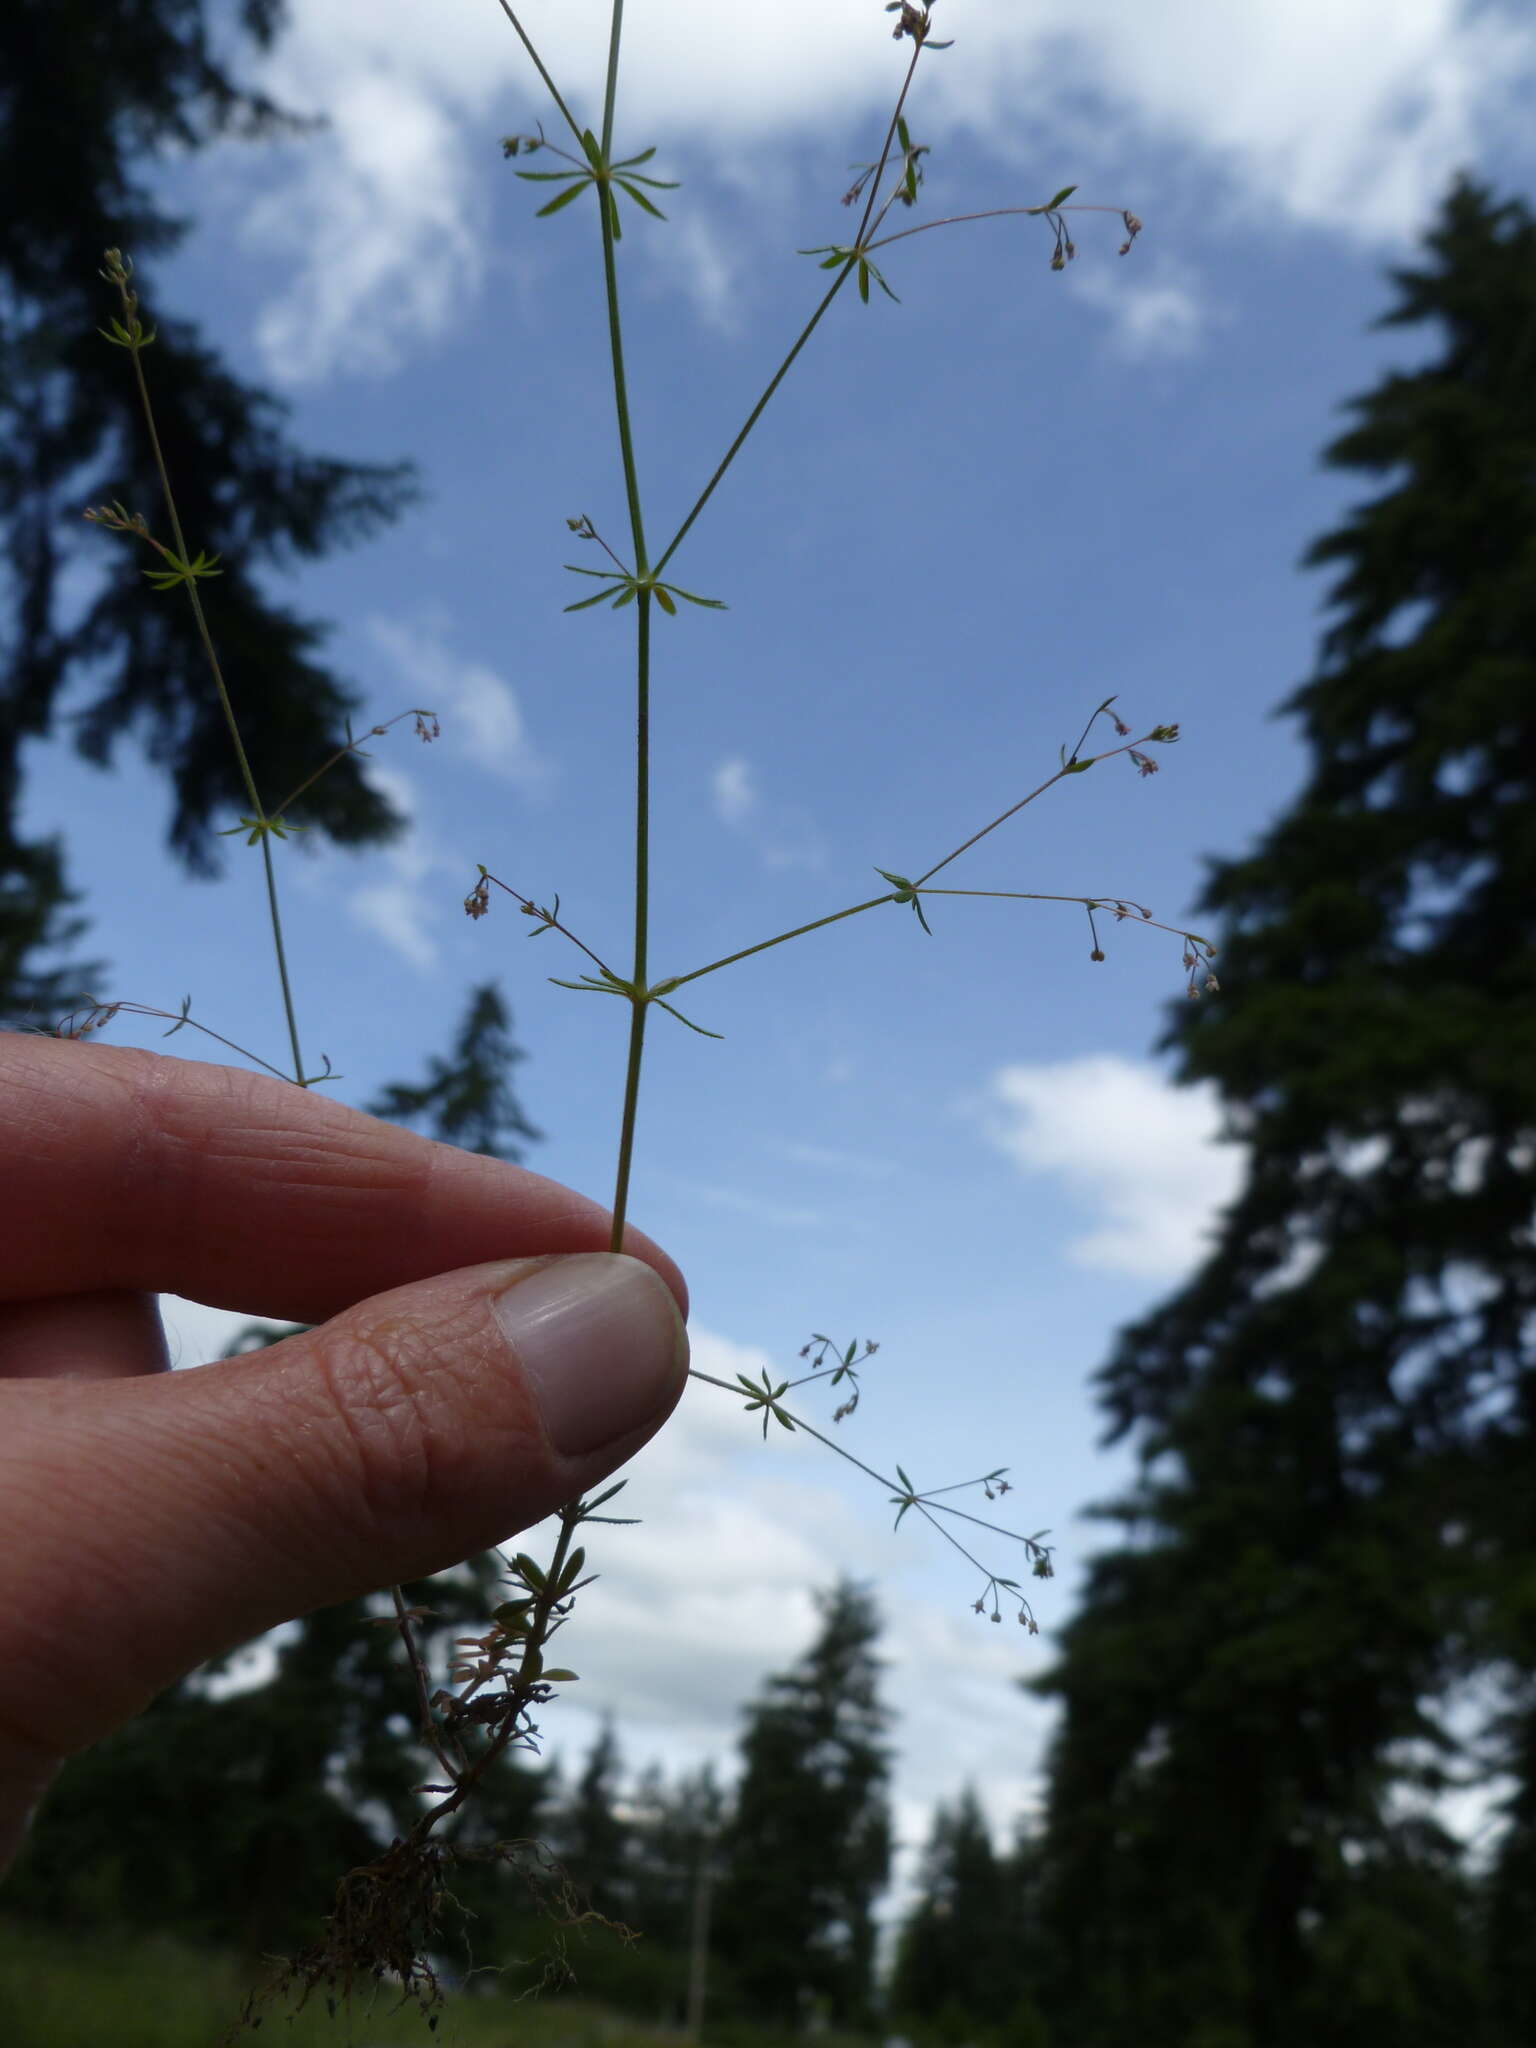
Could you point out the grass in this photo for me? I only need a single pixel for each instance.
(80, 1991)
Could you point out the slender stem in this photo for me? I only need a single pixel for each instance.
(951, 220)
(523, 1680)
(763, 944)
(419, 1673)
(637, 1015)
(1073, 767)
(552, 923)
(922, 1502)
(1141, 921)
(282, 958)
(227, 707)
(755, 415)
(538, 64)
(885, 151)
(109, 1010)
(620, 383)
(611, 84)
(638, 1001)
(805, 333)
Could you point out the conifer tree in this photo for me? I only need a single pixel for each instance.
(808, 1850)
(966, 1959)
(468, 1099)
(89, 98)
(1336, 1413)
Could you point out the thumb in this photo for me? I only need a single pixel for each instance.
(165, 1519)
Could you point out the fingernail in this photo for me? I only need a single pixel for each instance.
(602, 1343)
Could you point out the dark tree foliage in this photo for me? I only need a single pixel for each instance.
(230, 1816)
(675, 1832)
(469, 1099)
(968, 1955)
(808, 1850)
(89, 96)
(592, 1836)
(1338, 1508)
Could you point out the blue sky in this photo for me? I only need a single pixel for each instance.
(967, 519)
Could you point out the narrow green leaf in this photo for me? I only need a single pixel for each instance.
(1065, 193)
(562, 199)
(1079, 767)
(664, 599)
(584, 603)
(602, 1499)
(640, 200)
(689, 1021)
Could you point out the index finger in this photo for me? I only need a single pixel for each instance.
(133, 1170)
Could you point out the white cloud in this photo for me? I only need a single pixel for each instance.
(481, 718)
(827, 1158)
(400, 915)
(397, 906)
(731, 791)
(1156, 318)
(1350, 117)
(377, 219)
(1142, 1157)
(784, 839)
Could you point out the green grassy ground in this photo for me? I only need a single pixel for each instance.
(75, 1993)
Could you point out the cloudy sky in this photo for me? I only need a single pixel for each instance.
(968, 518)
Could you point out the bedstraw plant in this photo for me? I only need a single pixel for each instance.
(389, 1914)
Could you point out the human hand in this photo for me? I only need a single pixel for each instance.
(151, 1520)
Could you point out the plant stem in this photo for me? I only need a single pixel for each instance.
(638, 1002)
(538, 64)
(755, 415)
(951, 220)
(805, 333)
(523, 1680)
(1073, 767)
(228, 709)
(611, 84)
(799, 931)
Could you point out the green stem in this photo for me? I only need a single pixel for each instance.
(538, 64)
(282, 958)
(805, 333)
(228, 709)
(755, 415)
(620, 384)
(639, 1004)
(611, 84)
(951, 220)
(1074, 766)
(763, 944)
(885, 151)
(523, 1680)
